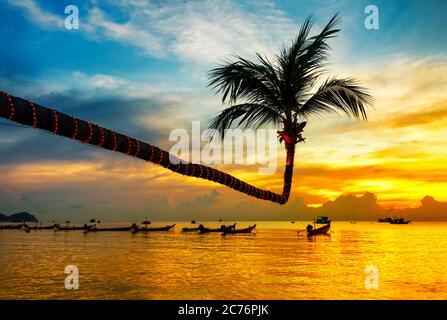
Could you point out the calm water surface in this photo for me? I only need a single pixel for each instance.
(273, 263)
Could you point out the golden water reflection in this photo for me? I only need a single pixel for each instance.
(273, 263)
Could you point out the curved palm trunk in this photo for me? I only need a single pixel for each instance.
(30, 114)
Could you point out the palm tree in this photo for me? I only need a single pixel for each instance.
(280, 92)
(259, 94)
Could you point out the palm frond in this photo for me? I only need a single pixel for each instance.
(288, 55)
(334, 95)
(310, 64)
(243, 79)
(250, 115)
(303, 63)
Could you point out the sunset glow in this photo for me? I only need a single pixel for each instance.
(397, 154)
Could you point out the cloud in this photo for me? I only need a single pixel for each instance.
(206, 32)
(98, 23)
(98, 81)
(203, 32)
(200, 203)
(39, 16)
(346, 207)
(124, 189)
(23, 144)
(430, 209)
(437, 113)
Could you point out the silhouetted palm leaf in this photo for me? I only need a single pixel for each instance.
(338, 95)
(250, 114)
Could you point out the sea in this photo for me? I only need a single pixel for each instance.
(357, 260)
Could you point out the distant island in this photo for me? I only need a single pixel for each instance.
(18, 217)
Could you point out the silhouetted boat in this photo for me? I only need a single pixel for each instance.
(193, 222)
(44, 227)
(322, 220)
(165, 228)
(399, 221)
(222, 228)
(123, 229)
(235, 231)
(11, 227)
(385, 220)
(321, 230)
(84, 227)
(190, 229)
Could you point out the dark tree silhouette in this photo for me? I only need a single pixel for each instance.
(279, 92)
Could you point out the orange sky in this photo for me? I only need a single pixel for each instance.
(399, 155)
(158, 83)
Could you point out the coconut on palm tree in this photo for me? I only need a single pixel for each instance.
(281, 91)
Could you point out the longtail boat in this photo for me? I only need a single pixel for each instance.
(165, 228)
(112, 229)
(51, 227)
(11, 227)
(400, 221)
(222, 228)
(85, 227)
(190, 229)
(235, 231)
(322, 230)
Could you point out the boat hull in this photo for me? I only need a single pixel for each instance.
(117, 229)
(10, 227)
(323, 230)
(190, 229)
(166, 228)
(221, 229)
(72, 228)
(44, 228)
(246, 230)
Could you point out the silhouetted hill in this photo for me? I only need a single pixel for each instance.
(18, 217)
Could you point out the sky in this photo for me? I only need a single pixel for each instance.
(140, 67)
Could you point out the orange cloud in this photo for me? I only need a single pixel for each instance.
(420, 117)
